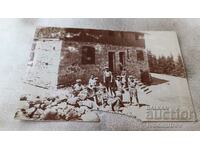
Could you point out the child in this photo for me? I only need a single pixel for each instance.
(124, 78)
(117, 103)
(78, 87)
(104, 97)
(91, 82)
(132, 90)
(97, 90)
(119, 85)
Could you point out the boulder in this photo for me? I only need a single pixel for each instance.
(31, 110)
(87, 103)
(54, 104)
(25, 105)
(39, 111)
(68, 109)
(31, 104)
(58, 100)
(51, 99)
(37, 105)
(71, 115)
(61, 112)
(20, 114)
(73, 100)
(23, 98)
(46, 102)
(62, 105)
(81, 110)
(51, 114)
(43, 106)
(62, 97)
(90, 116)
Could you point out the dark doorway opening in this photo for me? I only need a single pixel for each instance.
(122, 58)
(111, 61)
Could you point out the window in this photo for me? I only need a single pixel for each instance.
(140, 55)
(88, 55)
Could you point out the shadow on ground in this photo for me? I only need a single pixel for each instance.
(157, 81)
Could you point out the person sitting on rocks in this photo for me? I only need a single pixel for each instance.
(117, 103)
(104, 97)
(132, 90)
(91, 82)
(97, 90)
(78, 87)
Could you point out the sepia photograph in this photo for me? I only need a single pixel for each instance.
(121, 74)
(73, 74)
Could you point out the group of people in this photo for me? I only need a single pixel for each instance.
(117, 85)
(112, 86)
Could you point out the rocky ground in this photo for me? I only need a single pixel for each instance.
(57, 108)
(59, 104)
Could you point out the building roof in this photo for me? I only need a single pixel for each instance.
(121, 38)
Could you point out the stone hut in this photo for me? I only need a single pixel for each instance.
(61, 55)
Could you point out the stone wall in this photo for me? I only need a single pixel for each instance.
(71, 68)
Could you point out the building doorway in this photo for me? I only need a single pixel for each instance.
(111, 61)
(122, 57)
(121, 60)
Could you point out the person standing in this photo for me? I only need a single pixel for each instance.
(133, 90)
(113, 87)
(124, 77)
(119, 86)
(107, 78)
(97, 90)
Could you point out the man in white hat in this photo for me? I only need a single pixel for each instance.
(107, 78)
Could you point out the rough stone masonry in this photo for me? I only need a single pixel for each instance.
(61, 55)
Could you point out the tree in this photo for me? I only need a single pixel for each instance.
(166, 65)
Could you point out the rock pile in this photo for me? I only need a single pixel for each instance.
(56, 108)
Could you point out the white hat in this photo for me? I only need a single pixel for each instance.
(96, 78)
(118, 93)
(130, 76)
(118, 76)
(78, 80)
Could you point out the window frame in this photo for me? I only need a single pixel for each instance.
(84, 55)
(138, 54)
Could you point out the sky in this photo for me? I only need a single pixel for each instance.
(162, 43)
(15, 32)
